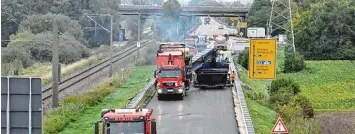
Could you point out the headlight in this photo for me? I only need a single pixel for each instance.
(180, 90)
(160, 91)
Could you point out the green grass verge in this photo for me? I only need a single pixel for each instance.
(329, 85)
(262, 116)
(77, 114)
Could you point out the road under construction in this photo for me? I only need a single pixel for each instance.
(208, 111)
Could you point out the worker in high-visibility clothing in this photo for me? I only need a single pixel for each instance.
(233, 77)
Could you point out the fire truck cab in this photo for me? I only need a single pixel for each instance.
(126, 121)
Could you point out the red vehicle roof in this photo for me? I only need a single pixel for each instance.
(128, 114)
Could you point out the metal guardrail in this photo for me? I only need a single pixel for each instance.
(134, 102)
(242, 102)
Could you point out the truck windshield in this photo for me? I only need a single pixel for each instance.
(169, 73)
(125, 128)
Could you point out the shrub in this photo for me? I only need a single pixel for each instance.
(14, 59)
(293, 117)
(243, 59)
(304, 103)
(293, 63)
(147, 57)
(70, 50)
(281, 98)
(294, 87)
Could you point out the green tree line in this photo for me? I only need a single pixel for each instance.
(324, 29)
(27, 25)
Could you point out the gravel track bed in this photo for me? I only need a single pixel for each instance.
(92, 81)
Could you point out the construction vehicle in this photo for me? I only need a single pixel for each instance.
(126, 121)
(179, 47)
(210, 71)
(220, 41)
(171, 78)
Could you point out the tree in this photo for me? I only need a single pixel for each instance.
(39, 23)
(324, 35)
(172, 9)
(259, 13)
(70, 50)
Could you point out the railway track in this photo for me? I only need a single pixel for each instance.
(77, 78)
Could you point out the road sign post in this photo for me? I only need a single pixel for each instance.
(262, 59)
(279, 127)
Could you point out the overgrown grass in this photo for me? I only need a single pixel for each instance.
(263, 117)
(78, 113)
(329, 85)
(44, 70)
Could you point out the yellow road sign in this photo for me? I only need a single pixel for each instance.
(234, 18)
(242, 25)
(262, 59)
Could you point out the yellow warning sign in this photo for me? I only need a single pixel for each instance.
(242, 25)
(262, 59)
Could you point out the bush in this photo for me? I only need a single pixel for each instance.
(70, 50)
(293, 63)
(288, 84)
(148, 56)
(71, 107)
(14, 59)
(280, 98)
(282, 90)
(293, 117)
(304, 103)
(243, 59)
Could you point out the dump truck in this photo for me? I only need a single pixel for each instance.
(171, 78)
(213, 75)
(126, 121)
(177, 46)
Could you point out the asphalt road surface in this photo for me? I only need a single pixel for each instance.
(208, 111)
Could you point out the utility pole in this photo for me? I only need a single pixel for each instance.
(55, 62)
(111, 36)
(139, 35)
(111, 46)
(278, 13)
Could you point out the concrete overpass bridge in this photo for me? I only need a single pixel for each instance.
(213, 11)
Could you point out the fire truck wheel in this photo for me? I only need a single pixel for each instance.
(181, 97)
